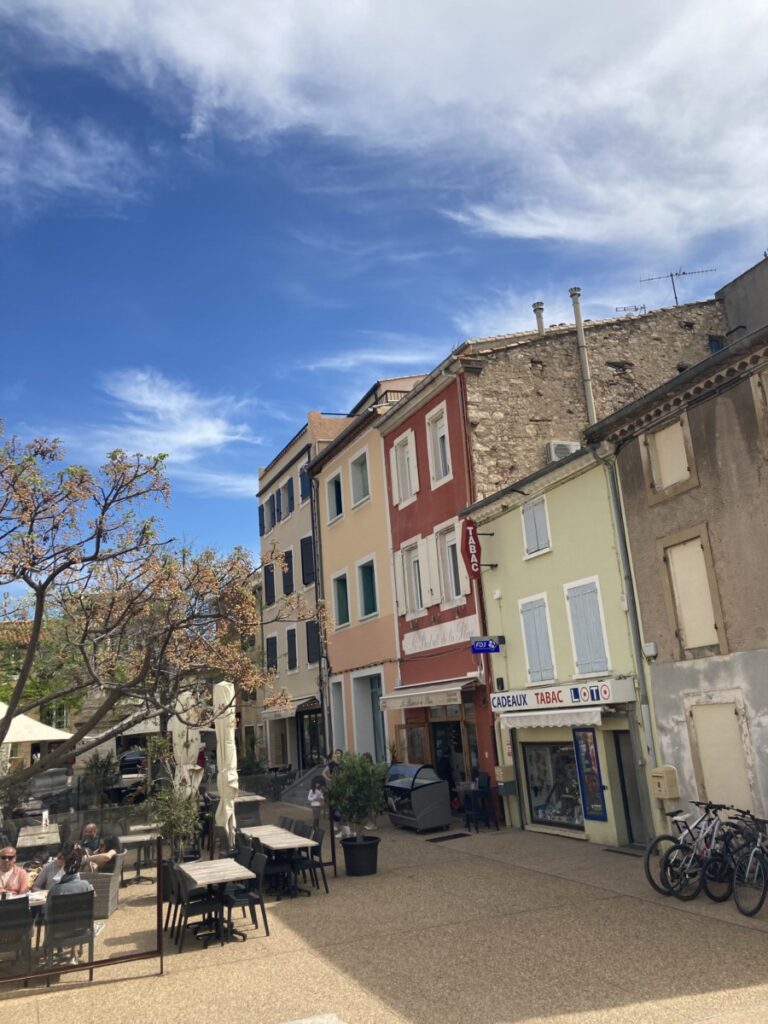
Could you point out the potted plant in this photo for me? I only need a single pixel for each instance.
(357, 789)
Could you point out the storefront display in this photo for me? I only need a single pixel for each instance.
(552, 779)
(588, 764)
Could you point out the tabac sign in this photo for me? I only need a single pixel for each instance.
(586, 694)
(470, 548)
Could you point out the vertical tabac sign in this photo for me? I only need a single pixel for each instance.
(470, 548)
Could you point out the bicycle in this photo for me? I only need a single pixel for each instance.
(750, 875)
(660, 845)
(683, 866)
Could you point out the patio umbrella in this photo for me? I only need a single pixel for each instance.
(28, 730)
(186, 744)
(226, 757)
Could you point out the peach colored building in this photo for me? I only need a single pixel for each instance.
(352, 523)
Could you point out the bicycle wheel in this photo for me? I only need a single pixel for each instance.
(654, 854)
(750, 881)
(682, 872)
(717, 878)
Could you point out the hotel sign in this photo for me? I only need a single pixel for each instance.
(586, 694)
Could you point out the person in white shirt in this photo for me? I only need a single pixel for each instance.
(316, 799)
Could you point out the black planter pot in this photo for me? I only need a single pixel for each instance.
(361, 855)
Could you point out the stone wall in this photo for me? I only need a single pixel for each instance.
(525, 391)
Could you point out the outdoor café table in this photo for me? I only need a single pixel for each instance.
(279, 840)
(217, 873)
(32, 837)
(137, 841)
(248, 805)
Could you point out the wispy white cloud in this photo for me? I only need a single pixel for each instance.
(639, 124)
(40, 160)
(391, 351)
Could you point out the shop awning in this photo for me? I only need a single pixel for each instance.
(289, 711)
(550, 719)
(447, 691)
(24, 729)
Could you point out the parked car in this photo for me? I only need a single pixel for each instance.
(132, 762)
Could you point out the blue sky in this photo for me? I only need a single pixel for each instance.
(215, 217)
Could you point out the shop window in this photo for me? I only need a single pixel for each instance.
(335, 503)
(293, 660)
(341, 600)
(536, 527)
(403, 469)
(667, 456)
(538, 647)
(366, 587)
(552, 779)
(270, 646)
(587, 633)
(698, 621)
(358, 476)
(590, 776)
(438, 447)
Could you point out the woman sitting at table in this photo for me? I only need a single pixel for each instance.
(13, 878)
(70, 881)
(53, 870)
(104, 858)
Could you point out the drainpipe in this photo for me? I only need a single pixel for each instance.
(586, 379)
(322, 675)
(642, 754)
(538, 309)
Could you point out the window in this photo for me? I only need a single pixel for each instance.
(403, 469)
(292, 656)
(340, 600)
(271, 652)
(538, 646)
(448, 560)
(586, 619)
(278, 498)
(552, 781)
(285, 498)
(269, 584)
(438, 447)
(288, 574)
(270, 513)
(412, 572)
(307, 561)
(536, 527)
(358, 476)
(693, 599)
(313, 642)
(366, 585)
(335, 505)
(668, 460)
(305, 485)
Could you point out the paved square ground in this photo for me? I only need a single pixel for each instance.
(509, 928)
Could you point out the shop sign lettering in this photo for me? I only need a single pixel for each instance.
(602, 692)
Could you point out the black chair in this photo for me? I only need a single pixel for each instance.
(249, 893)
(316, 853)
(286, 823)
(195, 902)
(68, 922)
(170, 895)
(310, 859)
(479, 806)
(303, 829)
(16, 922)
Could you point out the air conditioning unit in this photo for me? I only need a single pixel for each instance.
(557, 450)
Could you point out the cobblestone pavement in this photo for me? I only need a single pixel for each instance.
(508, 927)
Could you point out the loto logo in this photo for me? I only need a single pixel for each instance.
(470, 548)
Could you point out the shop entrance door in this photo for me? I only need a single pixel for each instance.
(630, 794)
(311, 738)
(449, 753)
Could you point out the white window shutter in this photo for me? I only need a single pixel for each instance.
(428, 587)
(586, 623)
(393, 475)
(414, 463)
(400, 593)
(430, 544)
(529, 529)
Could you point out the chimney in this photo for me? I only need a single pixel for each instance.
(538, 309)
(586, 378)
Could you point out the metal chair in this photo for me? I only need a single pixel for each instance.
(16, 922)
(68, 922)
(192, 905)
(286, 823)
(248, 894)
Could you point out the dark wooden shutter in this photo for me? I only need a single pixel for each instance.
(271, 647)
(269, 584)
(288, 574)
(292, 659)
(289, 496)
(313, 642)
(307, 561)
(262, 530)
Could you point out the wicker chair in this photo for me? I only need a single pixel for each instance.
(106, 885)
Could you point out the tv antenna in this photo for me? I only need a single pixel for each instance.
(631, 309)
(678, 273)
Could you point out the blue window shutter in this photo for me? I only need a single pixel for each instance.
(304, 485)
(292, 659)
(261, 521)
(529, 527)
(279, 504)
(307, 561)
(313, 642)
(584, 609)
(272, 516)
(540, 519)
(269, 584)
(271, 652)
(534, 615)
(288, 574)
(289, 495)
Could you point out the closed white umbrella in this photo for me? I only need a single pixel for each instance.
(28, 730)
(226, 757)
(186, 744)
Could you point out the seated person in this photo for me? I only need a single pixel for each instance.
(70, 881)
(89, 839)
(13, 877)
(53, 870)
(103, 859)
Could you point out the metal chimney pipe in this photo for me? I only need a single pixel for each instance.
(538, 309)
(586, 378)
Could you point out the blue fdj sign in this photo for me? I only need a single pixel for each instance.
(485, 645)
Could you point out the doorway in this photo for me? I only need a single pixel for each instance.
(630, 793)
(720, 761)
(311, 738)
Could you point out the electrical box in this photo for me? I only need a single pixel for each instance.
(505, 773)
(508, 788)
(664, 782)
